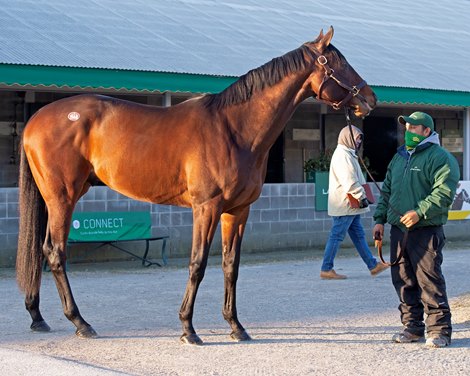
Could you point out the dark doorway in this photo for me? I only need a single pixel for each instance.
(275, 171)
(380, 144)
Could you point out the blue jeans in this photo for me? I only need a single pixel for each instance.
(352, 225)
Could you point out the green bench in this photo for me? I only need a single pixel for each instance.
(114, 228)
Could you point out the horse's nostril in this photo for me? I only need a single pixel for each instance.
(375, 99)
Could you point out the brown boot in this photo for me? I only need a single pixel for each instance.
(406, 337)
(379, 268)
(331, 274)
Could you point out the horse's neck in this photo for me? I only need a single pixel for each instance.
(261, 120)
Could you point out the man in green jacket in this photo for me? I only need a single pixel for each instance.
(416, 195)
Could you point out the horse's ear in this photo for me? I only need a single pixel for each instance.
(323, 41)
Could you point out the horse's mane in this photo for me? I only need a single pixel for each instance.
(259, 78)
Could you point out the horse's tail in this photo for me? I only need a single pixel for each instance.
(32, 229)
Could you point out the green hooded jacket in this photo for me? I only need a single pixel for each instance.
(424, 180)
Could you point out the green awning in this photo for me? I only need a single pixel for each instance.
(94, 78)
(402, 95)
(145, 81)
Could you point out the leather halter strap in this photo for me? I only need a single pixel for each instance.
(378, 245)
(377, 237)
(353, 90)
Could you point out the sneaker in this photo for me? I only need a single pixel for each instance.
(438, 341)
(331, 274)
(406, 337)
(379, 268)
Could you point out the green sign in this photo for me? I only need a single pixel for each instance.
(321, 190)
(107, 226)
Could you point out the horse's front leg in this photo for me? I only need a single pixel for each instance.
(205, 220)
(233, 227)
(56, 257)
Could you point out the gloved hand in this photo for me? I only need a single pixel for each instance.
(364, 203)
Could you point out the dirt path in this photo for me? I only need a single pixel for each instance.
(300, 324)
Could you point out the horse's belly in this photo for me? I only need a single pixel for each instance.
(147, 188)
(155, 196)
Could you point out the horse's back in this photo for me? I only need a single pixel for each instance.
(71, 113)
(132, 148)
(84, 120)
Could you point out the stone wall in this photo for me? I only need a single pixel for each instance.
(283, 218)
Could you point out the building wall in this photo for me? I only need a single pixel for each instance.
(306, 117)
(11, 122)
(283, 218)
(15, 105)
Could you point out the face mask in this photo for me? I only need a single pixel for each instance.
(358, 145)
(412, 139)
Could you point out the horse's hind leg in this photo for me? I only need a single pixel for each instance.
(32, 306)
(233, 226)
(60, 216)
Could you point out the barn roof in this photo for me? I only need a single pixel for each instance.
(393, 44)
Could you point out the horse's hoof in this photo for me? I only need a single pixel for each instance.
(240, 336)
(191, 339)
(40, 326)
(86, 332)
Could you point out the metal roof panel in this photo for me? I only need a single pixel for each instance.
(390, 43)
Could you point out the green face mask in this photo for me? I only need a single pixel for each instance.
(412, 139)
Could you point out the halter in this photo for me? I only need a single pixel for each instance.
(353, 91)
(377, 238)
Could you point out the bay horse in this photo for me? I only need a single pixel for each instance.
(208, 153)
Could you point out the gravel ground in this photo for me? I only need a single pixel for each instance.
(300, 325)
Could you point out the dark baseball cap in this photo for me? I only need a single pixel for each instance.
(417, 118)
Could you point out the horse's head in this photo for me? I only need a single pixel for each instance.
(335, 82)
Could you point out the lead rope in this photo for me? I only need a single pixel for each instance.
(377, 238)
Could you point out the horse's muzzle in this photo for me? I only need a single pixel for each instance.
(362, 106)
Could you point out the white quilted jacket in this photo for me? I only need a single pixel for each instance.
(345, 177)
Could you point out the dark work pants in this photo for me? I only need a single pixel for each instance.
(419, 282)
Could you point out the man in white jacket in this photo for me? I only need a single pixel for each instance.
(346, 178)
